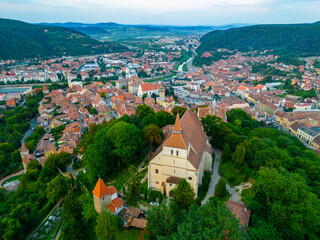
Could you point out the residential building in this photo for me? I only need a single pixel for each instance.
(306, 134)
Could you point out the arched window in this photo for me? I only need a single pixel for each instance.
(177, 153)
(157, 171)
(171, 152)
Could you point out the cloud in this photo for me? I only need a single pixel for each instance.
(146, 6)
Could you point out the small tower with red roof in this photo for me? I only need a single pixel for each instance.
(106, 196)
(45, 89)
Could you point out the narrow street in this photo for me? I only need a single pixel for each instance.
(215, 175)
(33, 124)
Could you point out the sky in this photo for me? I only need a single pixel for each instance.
(163, 12)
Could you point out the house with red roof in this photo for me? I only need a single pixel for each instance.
(106, 196)
(149, 89)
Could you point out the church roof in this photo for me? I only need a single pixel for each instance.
(45, 88)
(190, 132)
(100, 190)
(177, 126)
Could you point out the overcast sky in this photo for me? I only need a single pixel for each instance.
(169, 12)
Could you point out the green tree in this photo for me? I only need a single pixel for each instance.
(284, 199)
(210, 221)
(107, 225)
(226, 153)
(103, 95)
(12, 228)
(132, 189)
(163, 119)
(220, 190)
(144, 96)
(126, 140)
(263, 231)
(154, 96)
(162, 220)
(273, 157)
(238, 156)
(143, 110)
(177, 109)
(98, 157)
(57, 188)
(72, 225)
(183, 194)
(152, 134)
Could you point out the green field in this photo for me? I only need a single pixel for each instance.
(11, 179)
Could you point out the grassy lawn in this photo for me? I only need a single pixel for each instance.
(246, 194)
(233, 176)
(11, 179)
(131, 234)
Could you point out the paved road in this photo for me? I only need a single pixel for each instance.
(235, 196)
(33, 124)
(215, 175)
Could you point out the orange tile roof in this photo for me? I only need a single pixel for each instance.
(242, 88)
(111, 208)
(112, 190)
(175, 141)
(117, 202)
(100, 190)
(149, 87)
(177, 126)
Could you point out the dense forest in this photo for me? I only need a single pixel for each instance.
(284, 198)
(290, 39)
(20, 40)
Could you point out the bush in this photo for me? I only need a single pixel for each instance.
(220, 188)
(152, 196)
(203, 189)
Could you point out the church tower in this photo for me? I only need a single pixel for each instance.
(69, 82)
(101, 195)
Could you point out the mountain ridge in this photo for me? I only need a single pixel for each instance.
(288, 39)
(19, 40)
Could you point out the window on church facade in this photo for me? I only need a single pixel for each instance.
(157, 171)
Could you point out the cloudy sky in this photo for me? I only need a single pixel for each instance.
(170, 12)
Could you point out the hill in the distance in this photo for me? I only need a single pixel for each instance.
(285, 39)
(19, 40)
(120, 31)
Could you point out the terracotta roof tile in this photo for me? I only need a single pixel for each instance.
(117, 202)
(100, 190)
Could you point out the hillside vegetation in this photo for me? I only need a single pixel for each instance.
(19, 40)
(289, 39)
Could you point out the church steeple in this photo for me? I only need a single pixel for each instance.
(177, 128)
(69, 81)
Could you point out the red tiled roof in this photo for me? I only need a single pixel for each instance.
(149, 87)
(100, 190)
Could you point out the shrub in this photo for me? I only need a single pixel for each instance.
(220, 188)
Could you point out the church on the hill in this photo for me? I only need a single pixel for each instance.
(185, 153)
